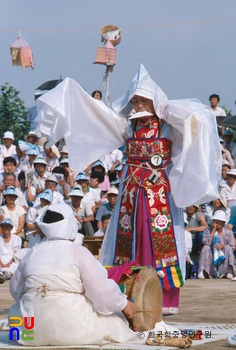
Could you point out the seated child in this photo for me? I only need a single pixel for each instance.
(9, 244)
(105, 222)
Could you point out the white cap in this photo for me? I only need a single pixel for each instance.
(40, 160)
(31, 134)
(231, 172)
(113, 190)
(225, 162)
(7, 221)
(51, 178)
(219, 215)
(47, 195)
(64, 161)
(10, 190)
(8, 135)
(64, 149)
(76, 192)
(33, 150)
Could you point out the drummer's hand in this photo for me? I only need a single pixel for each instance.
(129, 310)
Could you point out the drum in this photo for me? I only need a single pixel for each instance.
(143, 288)
(93, 244)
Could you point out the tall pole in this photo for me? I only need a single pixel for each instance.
(106, 81)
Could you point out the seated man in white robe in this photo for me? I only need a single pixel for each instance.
(66, 289)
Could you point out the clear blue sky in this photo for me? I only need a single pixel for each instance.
(187, 46)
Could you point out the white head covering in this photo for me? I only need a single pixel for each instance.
(64, 229)
(141, 85)
(219, 215)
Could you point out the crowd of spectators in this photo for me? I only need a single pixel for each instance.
(213, 225)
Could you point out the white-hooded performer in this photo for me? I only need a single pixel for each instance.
(66, 289)
(174, 161)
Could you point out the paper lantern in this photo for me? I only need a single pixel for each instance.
(106, 54)
(21, 53)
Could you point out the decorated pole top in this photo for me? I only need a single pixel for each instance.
(112, 33)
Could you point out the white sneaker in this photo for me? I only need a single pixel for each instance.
(229, 276)
(201, 276)
(233, 279)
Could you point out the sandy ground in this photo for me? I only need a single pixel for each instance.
(201, 301)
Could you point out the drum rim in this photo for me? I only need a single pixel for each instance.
(140, 318)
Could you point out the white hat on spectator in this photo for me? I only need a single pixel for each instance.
(82, 176)
(10, 190)
(231, 172)
(64, 149)
(33, 150)
(64, 161)
(31, 134)
(8, 135)
(219, 215)
(225, 162)
(78, 187)
(47, 195)
(98, 163)
(76, 192)
(51, 178)
(6, 221)
(40, 160)
(112, 190)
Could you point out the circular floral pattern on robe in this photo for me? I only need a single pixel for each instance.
(161, 222)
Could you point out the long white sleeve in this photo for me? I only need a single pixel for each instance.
(103, 292)
(196, 152)
(68, 111)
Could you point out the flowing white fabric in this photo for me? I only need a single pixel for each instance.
(89, 127)
(92, 130)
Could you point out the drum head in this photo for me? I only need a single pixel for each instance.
(147, 297)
